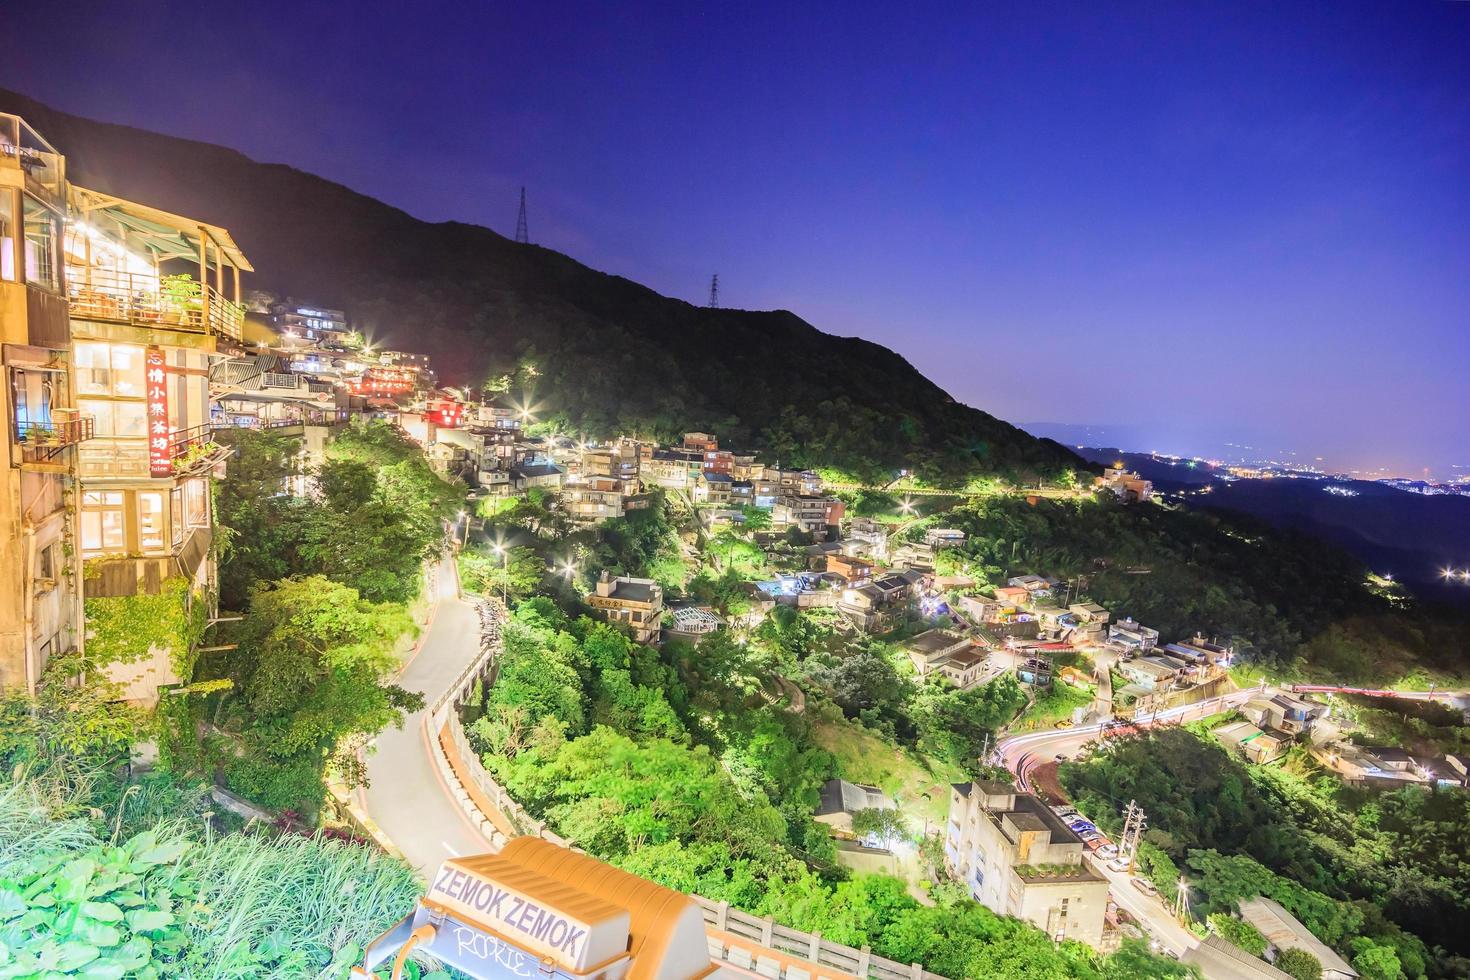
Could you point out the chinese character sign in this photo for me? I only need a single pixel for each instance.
(160, 461)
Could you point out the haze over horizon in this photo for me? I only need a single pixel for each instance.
(1213, 219)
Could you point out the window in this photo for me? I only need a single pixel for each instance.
(47, 565)
(150, 521)
(119, 420)
(42, 255)
(103, 521)
(109, 369)
(7, 235)
(196, 503)
(176, 514)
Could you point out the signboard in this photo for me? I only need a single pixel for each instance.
(574, 930)
(448, 415)
(160, 458)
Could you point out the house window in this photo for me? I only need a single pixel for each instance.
(7, 235)
(121, 420)
(176, 514)
(104, 526)
(196, 504)
(109, 369)
(150, 521)
(42, 256)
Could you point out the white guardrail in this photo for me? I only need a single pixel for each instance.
(748, 942)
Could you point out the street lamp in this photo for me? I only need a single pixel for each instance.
(504, 572)
(1183, 906)
(568, 569)
(907, 506)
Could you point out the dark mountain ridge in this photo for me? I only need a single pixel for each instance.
(607, 354)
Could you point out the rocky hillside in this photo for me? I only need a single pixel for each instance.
(609, 354)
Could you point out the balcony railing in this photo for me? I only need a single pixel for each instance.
(39, 160)
(182, 441)
(145, 300)
(43, 441)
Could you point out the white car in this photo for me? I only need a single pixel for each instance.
(1145, 886)
(1108, 851)
(1119, 864)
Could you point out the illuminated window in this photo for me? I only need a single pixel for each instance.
(109, 369)
(103, 521)
(150, 520)
(196, 503)
(7, 235)
(176, 514)
(42, 256)
(125, 420)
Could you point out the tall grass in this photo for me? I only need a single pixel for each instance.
(267, 906)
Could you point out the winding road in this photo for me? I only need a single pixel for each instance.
(406, 796)
(1023, 753)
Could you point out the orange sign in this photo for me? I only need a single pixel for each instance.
(160, 460)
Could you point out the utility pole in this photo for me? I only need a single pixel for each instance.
(714, 292)
(522, 235)
(1133, 824)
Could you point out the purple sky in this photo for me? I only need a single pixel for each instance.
(1233, 220)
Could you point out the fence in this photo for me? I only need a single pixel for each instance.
(748, 942)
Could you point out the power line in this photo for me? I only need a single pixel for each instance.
(522, 235)
(714, 292)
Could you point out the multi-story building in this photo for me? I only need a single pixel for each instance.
(594, 498)
(40, 571)
(1016, 857)
(144, 331)
(1130, 636)
(637, 603)
(310, 326)
(810, 512)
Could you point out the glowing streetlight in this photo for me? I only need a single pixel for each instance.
(907, 506)
(568, 569)
(504, 571)
(1183, 898)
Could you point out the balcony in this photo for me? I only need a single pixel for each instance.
(145, 300)
(191, 451)
(44, 168)
(42, 442)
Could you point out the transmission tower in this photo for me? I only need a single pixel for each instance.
(714, 292)
(522, 235)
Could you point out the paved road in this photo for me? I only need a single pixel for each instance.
(405, 795)
(1022, 753)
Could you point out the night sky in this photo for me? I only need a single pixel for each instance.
(1245, 221)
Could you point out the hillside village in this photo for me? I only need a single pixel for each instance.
(934, 703)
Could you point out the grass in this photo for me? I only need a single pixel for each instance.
(1052, 706)
(903, 774)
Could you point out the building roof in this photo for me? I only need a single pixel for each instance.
(692, 619)
(634, 589)
(1284, 931)
(966, 658)
(533, 470)
(936, 641)
(840, 796)
(1219, 959)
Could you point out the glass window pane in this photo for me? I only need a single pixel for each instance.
(176, 515)
(150, 520)
(130, 419)
(127, 371)
(196, 503)
(7, 235)
(94, 373)
(41, 251)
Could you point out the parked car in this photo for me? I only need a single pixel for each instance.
(1108, 851)
(1145, 886)
(1119, 864)
(1061, 757)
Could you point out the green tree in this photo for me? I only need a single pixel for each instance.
(310, 673)
(1299, 963)
(885, 823)
(1239, 932)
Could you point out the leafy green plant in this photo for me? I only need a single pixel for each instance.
(107, 913)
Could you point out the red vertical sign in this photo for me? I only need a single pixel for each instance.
(160, 460)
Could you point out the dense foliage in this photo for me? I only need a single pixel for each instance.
(374, 514)
(605, 354)
(671, 764)
(1363, 868)
(78, 900)
(1287, 601)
